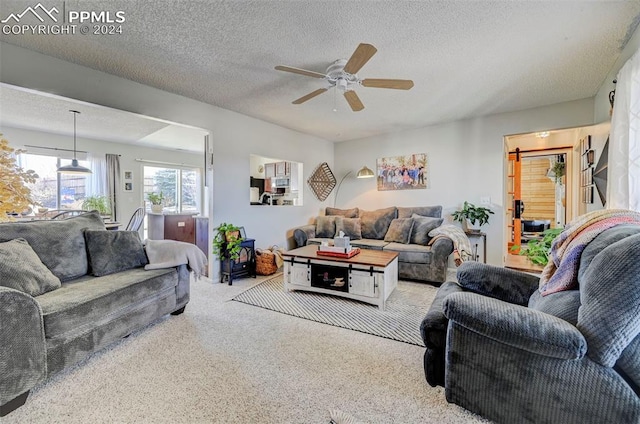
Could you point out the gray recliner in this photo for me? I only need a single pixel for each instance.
(511, 355)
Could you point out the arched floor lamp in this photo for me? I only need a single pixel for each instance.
(364, 172)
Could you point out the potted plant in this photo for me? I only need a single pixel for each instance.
(156, 201)
(226, 241)
(537, 251)
(469, 214)
(558, 169)
(97, 203)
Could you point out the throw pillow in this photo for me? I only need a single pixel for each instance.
(347, 213)
(114, 251)
(431, 211)
(350, 226)
(399, 231)
(59, 244)
(325, 226)
(22, 269)
(421, 227)
(376, 223)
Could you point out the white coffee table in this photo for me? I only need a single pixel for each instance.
(369, 276)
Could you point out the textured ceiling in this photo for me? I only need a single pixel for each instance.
(32, 110)
(466, 58)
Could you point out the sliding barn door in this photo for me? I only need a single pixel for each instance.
(514, 199)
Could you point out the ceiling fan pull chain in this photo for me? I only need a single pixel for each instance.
(335, 102)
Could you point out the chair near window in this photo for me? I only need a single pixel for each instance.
(64, 214)
(136, 220)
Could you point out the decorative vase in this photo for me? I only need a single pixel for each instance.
(157, 208)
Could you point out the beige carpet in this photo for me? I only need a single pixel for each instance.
(228, 362)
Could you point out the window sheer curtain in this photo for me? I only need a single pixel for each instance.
(97, 181)
(113, 182)
(623, 183)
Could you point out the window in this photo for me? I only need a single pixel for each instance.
(53, 190)
(179, 186)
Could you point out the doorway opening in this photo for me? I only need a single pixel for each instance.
(544, 183)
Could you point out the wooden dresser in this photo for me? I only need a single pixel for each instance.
(188, 228)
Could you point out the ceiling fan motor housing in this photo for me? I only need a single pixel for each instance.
(337, 77)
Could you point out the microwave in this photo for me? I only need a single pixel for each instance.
(282, 182)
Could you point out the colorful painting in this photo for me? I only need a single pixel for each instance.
(402, 172)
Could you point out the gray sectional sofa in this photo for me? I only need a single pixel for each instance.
(68, 289)
(404, 230)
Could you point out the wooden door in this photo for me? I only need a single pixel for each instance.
(514, 197)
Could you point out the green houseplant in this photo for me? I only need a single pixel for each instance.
(156, 201)
(558, 169)
(226, 241)
(538, 250)
(470, 213)
(97, 203)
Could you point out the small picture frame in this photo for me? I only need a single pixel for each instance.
(128, 175)
(128, 186)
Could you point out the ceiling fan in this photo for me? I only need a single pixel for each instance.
(342, 74)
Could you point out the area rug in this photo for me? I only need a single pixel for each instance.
(405, 308)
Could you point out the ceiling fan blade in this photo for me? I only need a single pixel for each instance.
(309, 96)
(363, 53)
(353, 100)
(396, 84)
(300, 71)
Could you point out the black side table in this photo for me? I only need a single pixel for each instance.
(244, 266)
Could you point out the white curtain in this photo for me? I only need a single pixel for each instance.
(113, 182)
(97, 181)
(623, 183)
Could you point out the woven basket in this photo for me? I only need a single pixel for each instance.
(265, 262)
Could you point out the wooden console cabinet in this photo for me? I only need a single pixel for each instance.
(181, 227)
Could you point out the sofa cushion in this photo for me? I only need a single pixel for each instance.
(22, 269)
(325, 226)
(369, 244)
(350, 226)
(412, 253)
(80, 303)
(562, 304)
(399, 230)
(376, 223)
(609, 298)
(59, 244)
(347, 213)
(431, 211)
(114, 251)
(421, 227)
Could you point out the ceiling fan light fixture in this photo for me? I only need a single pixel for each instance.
(75, 167)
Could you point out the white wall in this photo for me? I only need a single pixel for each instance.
(602, 105)
(234, 136)
(465, 161)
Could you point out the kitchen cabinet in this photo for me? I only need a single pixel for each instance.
(269, 170)
(283, 169)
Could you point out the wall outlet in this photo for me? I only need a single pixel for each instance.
(485, 200)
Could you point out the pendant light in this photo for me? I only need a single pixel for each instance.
(74, 168)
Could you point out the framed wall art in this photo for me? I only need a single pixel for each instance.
(407, 172)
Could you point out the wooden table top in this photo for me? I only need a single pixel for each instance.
(370, 257)
(522, 263)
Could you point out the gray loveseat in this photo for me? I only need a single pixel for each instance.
(55, 311)
(504, 351)
(404, 230)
